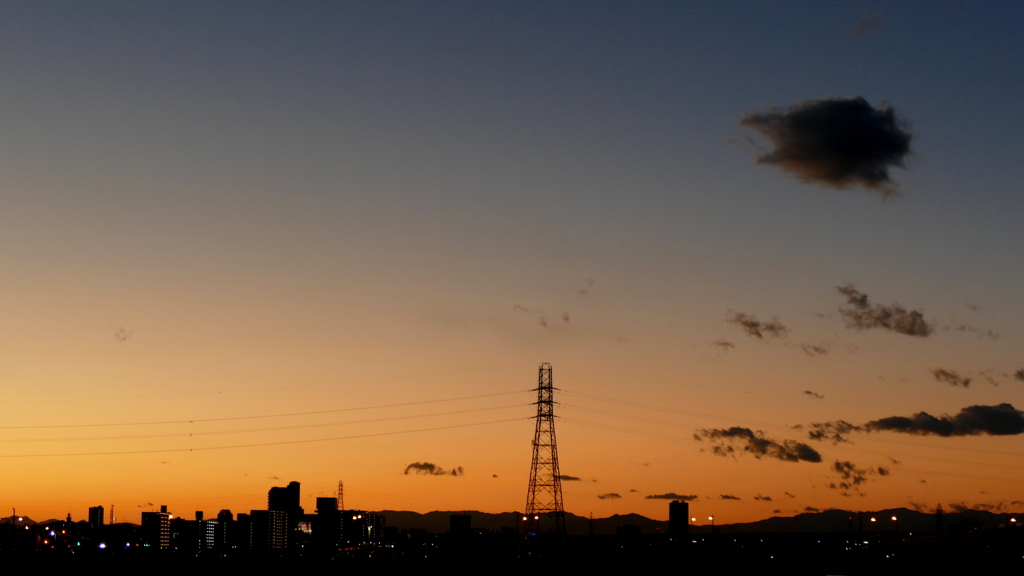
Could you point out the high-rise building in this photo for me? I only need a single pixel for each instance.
(678, 518)
(96, 517)
(285, 499)
(326, 524)
(156, 528)
(268, 529)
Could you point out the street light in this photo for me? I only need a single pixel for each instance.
(896, 524)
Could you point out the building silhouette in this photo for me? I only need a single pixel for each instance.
(96, 517)
(678, 518)
(156, 529)
(286, 500)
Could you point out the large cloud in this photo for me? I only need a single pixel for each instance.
(860, 314)
(835, 142)
(726, 441)
(998, 420)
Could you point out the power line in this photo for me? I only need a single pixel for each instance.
(249, 430)
(256, 417)
(262, 388)
(263, 444)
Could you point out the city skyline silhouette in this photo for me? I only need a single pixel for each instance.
(772, 253)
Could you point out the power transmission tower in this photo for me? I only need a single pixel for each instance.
(544, 511)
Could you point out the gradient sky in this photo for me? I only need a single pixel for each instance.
(236, 209)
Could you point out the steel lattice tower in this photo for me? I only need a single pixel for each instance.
(544, 511)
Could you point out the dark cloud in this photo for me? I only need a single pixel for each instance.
(919, 507)
(861, 315)
(812, 350)
(851, 475)
(122, 335)
(609, 496)
(835, 142)
(950, 377)
(565, 317)
(430, 469)
(726, 441)
(728, 497)
(811, 509)
(543, 321)
(672, 496)
(815, 394)
(518, 308)
(567, 478)
(789, 495)
(869, 25)
(586, 290)
(494, 475)
(834, 432)
(959, 506)
(980, 506)
(754, 327)
(727, 345)
(998, 420)
(763, 498)
(1019, 374)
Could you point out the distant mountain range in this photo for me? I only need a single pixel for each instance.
(825, 521)
(438, 522)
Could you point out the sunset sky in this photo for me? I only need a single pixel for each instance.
(245, 243)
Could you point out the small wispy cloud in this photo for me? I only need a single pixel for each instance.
(725, 345)
(813, 350)
(950, 377)
(672, 496)
(757, 328)
(859, 314)
(431, 469)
